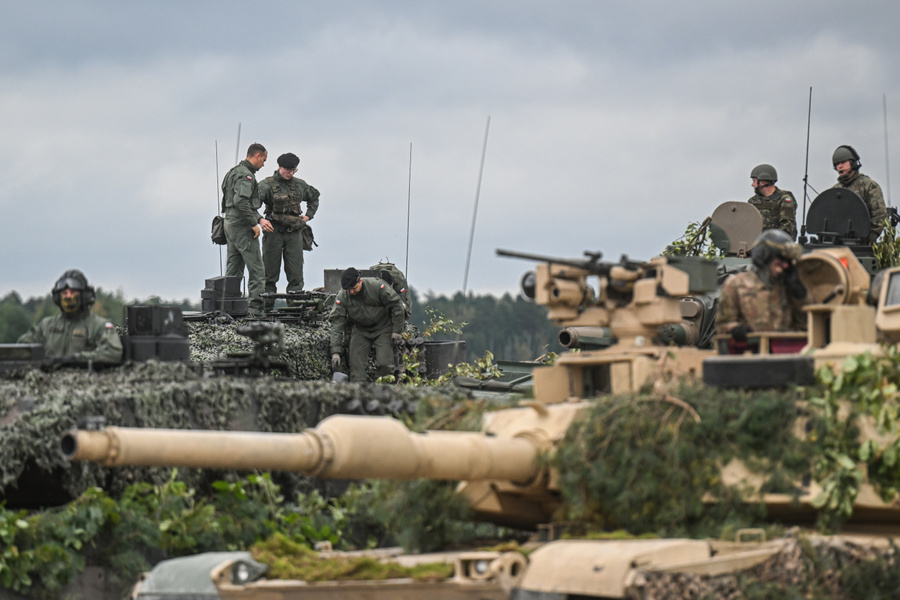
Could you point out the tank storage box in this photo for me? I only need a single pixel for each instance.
(156, 332)
(224, 294)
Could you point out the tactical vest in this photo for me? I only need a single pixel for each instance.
(286, 198)
(770, 208)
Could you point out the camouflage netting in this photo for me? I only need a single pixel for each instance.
(804, 568)
(37, 407)
(307, 351)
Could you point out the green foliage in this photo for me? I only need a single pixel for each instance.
(648, 463)
(863, 394)
(288, 559)
(696, 241)
(42, 552)
(887, 247)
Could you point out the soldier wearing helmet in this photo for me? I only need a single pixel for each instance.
(767, 297)
(846, 162)
(777, 207)
(75, 335)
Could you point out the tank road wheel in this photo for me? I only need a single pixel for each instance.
(754, 371)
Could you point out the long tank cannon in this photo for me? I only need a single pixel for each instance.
(502, 478)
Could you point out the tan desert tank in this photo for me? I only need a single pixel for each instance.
(500, 469)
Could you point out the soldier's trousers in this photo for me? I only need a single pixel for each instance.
(361, 342)
(243, 250)
(289, 246)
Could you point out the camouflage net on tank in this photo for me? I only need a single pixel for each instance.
(37, 407)
(307, 350)
(816, 567)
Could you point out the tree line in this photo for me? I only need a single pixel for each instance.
(512, 328)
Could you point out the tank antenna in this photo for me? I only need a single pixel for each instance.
(408, 197)
(806, 168)
(218, 206)
(887, 158)
(237, 149)
(475, 211)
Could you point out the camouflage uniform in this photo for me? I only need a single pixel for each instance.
(372, 316)
(870, 192)
(282, 199)
(81, 337)
(747, 299)
(241, 201)
(779, 211)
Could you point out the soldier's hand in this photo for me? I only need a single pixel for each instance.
(739, 333)
(397, 338)
(255, 231)
(335, 361)
(266, 225)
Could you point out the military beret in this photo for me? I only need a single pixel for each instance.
(288, 161)
(349, 278)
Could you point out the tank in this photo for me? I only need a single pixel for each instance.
(503, 470)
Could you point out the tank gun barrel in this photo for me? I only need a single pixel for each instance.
(342, 446)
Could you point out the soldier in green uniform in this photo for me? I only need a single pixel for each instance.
(846, 162)
(373, 314)
(282, 194)
(767, 297)
(75, 335)
(777, 207)
(240, 201)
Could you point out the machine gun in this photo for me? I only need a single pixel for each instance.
(305, 306)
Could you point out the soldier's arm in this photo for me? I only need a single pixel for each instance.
(312, 201)
(391, 300)
(264, 190)
(788, 220)
(243, 191)
(727, 314)
(877, 208)
(339, 320)
(107, 344)
(35, 335)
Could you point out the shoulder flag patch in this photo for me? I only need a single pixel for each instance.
(249, 177)
(382, 286)
(109, 325)
(337, 301)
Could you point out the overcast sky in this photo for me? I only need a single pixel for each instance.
(612, 125)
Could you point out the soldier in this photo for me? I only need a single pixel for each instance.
(373, 313)
(240, 201)
(75, 335)
(767, 297)
(847, 163)
(777, 207)
(282, 194)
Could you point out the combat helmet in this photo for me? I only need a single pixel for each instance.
(842, 153)
(73, 279)
(774, 243)
(764, 173)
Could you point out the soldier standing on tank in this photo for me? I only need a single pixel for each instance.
(75, 335)
(767, 297)
(777, 207)
(282, 194)
(846, 162)
(373, 314)
(240, 201)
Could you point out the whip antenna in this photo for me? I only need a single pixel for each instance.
(218, 206)
(408, 196)
(887, 159)
(237, 149)
(806, 168)
(475, 211)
